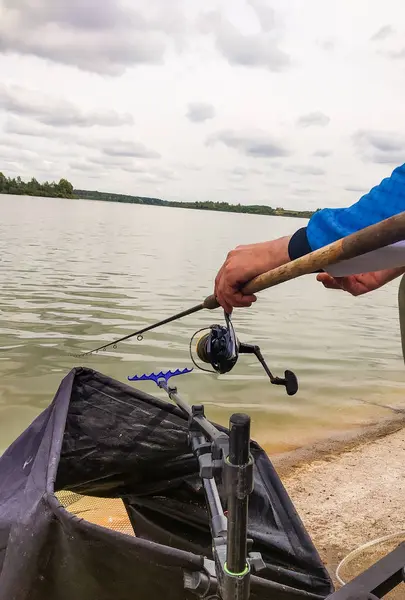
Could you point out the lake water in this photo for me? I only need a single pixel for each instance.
(75, 274)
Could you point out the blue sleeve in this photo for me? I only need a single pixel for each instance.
(330, 224)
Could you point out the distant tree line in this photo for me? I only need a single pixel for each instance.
(256, 209)
(63, 189)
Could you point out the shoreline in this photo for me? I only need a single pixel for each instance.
(349, 491)
(286, 463)
(208, 206)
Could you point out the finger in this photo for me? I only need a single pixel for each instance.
(220, 287)
(227, 294)
(241, 303)
(244, 299)
(237, 299)
(323, 277)
(326, 278)
(356, 288)
(225, 299)
(225, 305)
(222, 301)
(230, 300)
(329, 282)
(218, 279)
(353, 285)
(332, 285)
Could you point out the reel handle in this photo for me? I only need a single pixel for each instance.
(289, 381)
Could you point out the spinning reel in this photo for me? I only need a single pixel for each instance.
(220, 348)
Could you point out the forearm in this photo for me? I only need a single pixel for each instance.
(383, 201)
(329, 225)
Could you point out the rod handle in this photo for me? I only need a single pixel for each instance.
(381, 234)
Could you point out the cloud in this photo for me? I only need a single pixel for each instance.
(322, 153)
(305, 170)
(313, 119)
(30, 128)
(327, 44)
(395, 54)
(355, 188)
(56, 112)
(109, 146)
(16, 154)
(241, 172)
(256, 145)
(105, 166)
(73, 32)
(381, 147)
(384, 141)
(102, 160)
(198, 112)
(189, 166)
(84, 166)
(157, 176)
(388, 158)
(304, 191)
(51, 139)
(128, 148)
(11, 141)
(383, 33)
(241, 188)
(264, 13)
(248, 50)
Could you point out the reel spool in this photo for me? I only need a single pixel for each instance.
(220, 348)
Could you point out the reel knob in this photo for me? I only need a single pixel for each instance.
(290, 382)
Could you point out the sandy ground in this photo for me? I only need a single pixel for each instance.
(350, 492)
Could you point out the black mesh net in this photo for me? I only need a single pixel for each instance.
(103, 457)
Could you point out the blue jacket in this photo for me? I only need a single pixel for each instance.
(331, 224)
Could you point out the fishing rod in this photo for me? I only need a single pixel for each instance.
(368, 239)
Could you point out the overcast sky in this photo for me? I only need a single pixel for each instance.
(294, 103)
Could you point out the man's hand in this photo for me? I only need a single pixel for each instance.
(243, 264)
(356, 285)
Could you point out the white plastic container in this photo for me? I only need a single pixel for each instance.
(365, 556)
